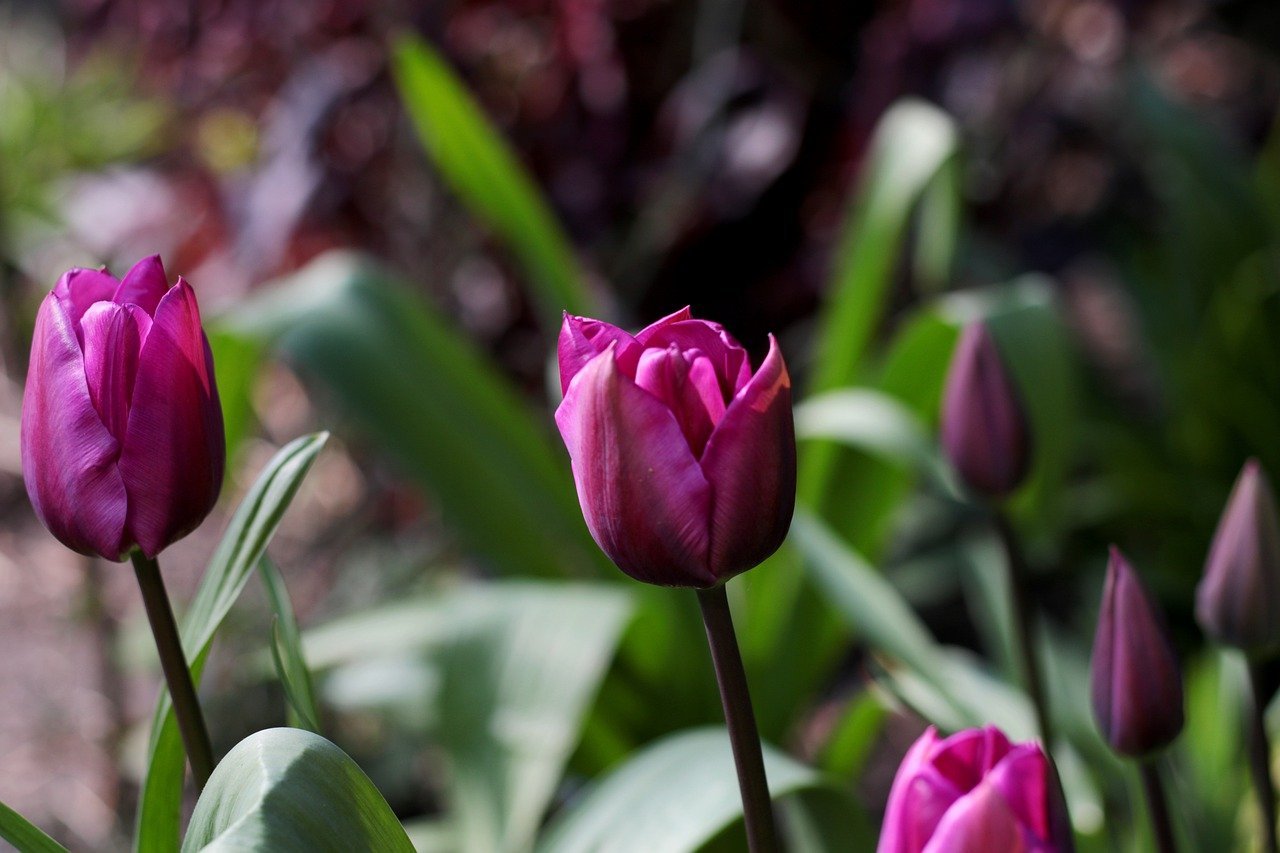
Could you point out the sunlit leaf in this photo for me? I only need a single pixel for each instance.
(25, 836)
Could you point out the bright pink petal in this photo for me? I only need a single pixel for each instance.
(642, 494)
(582, 339)
(730, 359)
(674, 317)
(144, 285)
(915, 806)
(967, 756)
(750, 462)
(80, 288)
(666, 375)
(979, 822)
(112, 340)
(68, 454)
(174, 448)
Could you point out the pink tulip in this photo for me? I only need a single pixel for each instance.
(984, 429)
(122, 437)
(684, 458)
(974, 792)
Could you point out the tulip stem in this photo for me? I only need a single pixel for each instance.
(1260, 758)
(1157, 806)
(757, 806)
(195, 737)
(1020, 610)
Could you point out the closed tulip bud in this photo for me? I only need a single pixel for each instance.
(684, 458)
(122, 437)
(1134, 678)
(975, 791)
(1238, 600)
(984, 429)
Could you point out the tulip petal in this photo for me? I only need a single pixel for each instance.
(112, 340)
(731, 361)
(68, 454)
(980, 821)
(80, 288)
(642, 493)
(582, 339)
(1025, 782)
(674, 317)
(915, 806)
(750, 462)
(668, 375)
(967, 756)
(144, 285)
(174, 447)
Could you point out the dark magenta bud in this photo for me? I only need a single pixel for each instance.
(1134, 679)
(1238, 600)
(984, 429)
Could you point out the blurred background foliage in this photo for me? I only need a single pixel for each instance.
(384, 207)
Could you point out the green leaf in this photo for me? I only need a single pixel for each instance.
(288, 790)
(674, 796)
(242, 546)
(867, 420)
(286, 651)
(25, 836)
(484, 172)
(437, 405)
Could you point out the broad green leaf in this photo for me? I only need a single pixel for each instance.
(437, 405)
(485, 173)
(912, 143)
(236, 360)
(292, 791)
(25, 836)
(674, 796)
(286, 651)
(868, 420)
(242, 546)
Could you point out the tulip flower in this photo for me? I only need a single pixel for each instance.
(684, 458)
(974, 791)
(1135, 682)
(1238, 600)
(122, 436)
(984, 429)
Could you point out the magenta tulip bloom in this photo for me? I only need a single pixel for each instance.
(122, 438)
(984, 429)
(1238, 600)
(1134, 680)
(974, 791)
(684, 458)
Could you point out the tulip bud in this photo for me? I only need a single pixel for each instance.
(984, 429)
(1238, 600)
(1133, 678)
(684, 458)
(974, 791)
(122, 437)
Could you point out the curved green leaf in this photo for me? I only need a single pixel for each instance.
(25, 836)
(286, 652)
(242, 546)
(485, 173)
(674, 796)
(284, 790)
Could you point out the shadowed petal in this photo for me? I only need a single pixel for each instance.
(80, 288)
(112, 340)
(750, 462)
(644, 498)
(68, 454)
(979, 822)
(144, 285)
(668, 375)
(582, 339)
(728, 356)
(174, 448)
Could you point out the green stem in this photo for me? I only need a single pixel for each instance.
(1157, 806)
(757, 806)
(1260, 758)
(195, 737)
(1020, 609)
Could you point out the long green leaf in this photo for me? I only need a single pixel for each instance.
(292, 791)
(486, 175)
(286, 651)
(25, 836)
(674, 796)
(242, 546)
(434, 402)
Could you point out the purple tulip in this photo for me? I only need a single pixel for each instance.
(984, 429)
(685, 460)
(974, 791)
(1134, 678)
(1238, 600)
(122, 439)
